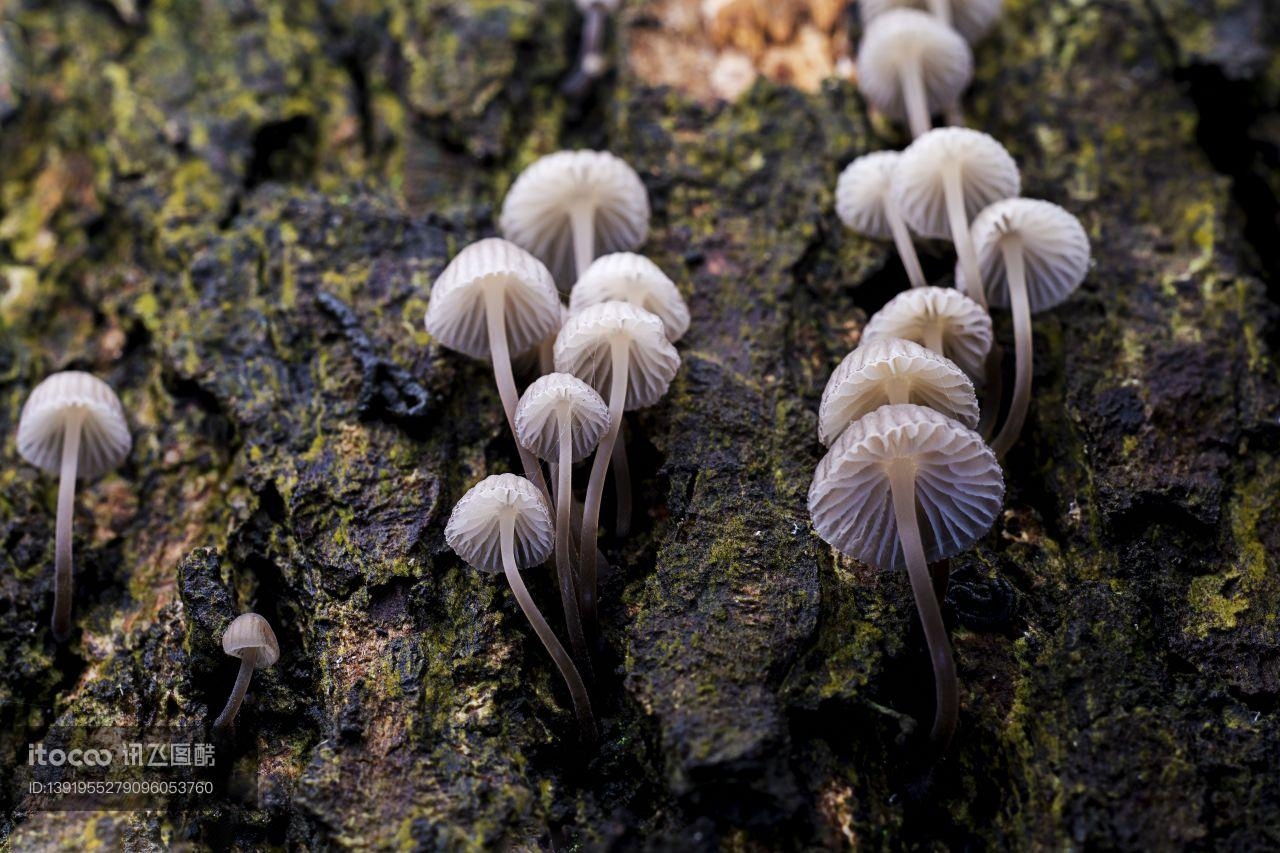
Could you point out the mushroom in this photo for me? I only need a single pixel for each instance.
(570, 205)
(910, 65)
(864, 205)
(250, 638)
(591, 59)
(622, 351)
(503, 524)
(947, 176)
(893, 468)
(73, 425)
(973, 19)
(888, 371)
(1033, 255)
(494, 300)
(940, 318)
(628, 277)
(560, 419)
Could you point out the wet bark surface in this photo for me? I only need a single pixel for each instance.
(233, 212)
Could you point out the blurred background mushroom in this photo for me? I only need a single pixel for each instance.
(503, 524)
(865, 206)
(592, 62)
(622, 351)
(903, 486)
(560, 419)
(568, 206)
(1033, 255)
(249, 637)
(72, 425)
(912, 65)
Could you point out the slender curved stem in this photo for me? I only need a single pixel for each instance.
(933, 338)
(902, 482)
(992, 391)
(227, 719)
(941, 9)
(902, 241)
(914, 98)
(591, 58)
(955, 114)
(584, 237)
(577, 689)
(897, 391)
(622, 488)
(975, 288)
(500, 355)
(564, 568)
(1015, 271)
(595, 485)
(547, 354)
(63, 579)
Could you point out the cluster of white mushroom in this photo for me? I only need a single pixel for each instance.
(909, 477)
(610, 350)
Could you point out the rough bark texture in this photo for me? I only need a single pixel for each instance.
(233, 212)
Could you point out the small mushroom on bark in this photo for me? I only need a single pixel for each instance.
(973, 19)
(495, 300)
(1033, 255)
(568, 206)
(249, 637)
(502, 524)
(72, 425)
(911, 65)
(865, 206)
(622, 351)
(888, 371)
(940, 318)
(628, 277)
(947, 176)
(903, 486)
(561, 419)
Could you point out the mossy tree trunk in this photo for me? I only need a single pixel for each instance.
(233, 211)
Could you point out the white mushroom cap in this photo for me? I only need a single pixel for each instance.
(861, 192)
(972, 18)
(869, 375)
(475, 527)
(536, 212)
(251, 631)
(986, 171)
(959, 487)
(903, 37)
(1055, 249)
(585, 349)
(628, 277)
(104, 435)
(941, 313)
(554, 398)
(457, 310)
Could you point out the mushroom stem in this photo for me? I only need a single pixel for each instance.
(248, 660)
(577, 689)
(63, 581)
(1015, 272)
(591, 59)
(914, 97)
(564, 568)
(622, 488)
(933, 338)
(584, 238)
(955, 114)
(941, 9)
(992, 391)
(902, 482)
(595, 486)
(962, 239)
(906, 248)
(500, 355)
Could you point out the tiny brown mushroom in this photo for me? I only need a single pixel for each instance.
(249, 637)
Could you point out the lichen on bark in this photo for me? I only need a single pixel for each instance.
(234, 211)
